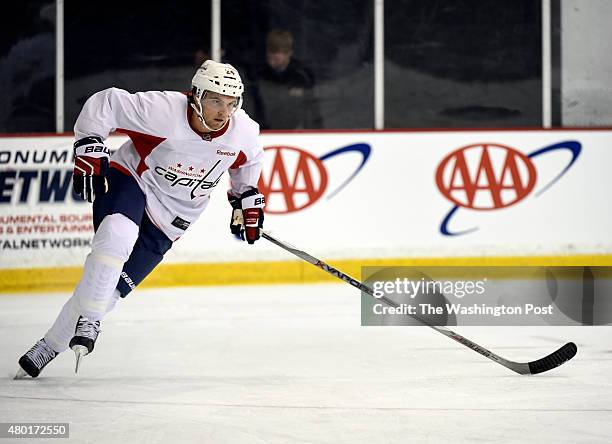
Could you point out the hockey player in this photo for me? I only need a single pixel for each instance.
(148, 193)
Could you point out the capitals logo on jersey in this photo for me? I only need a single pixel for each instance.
(180, 176)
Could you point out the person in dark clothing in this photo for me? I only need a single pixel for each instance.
(285, 96)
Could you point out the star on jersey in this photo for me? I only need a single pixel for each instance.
(163, 146)
(175, 178)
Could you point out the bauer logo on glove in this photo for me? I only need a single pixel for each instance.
(91, 158)
(247, 214)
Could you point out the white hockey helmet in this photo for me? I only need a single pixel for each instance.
(221, 78)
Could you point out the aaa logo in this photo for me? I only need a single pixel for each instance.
(295, 178)
(489, 176)
(486, 176)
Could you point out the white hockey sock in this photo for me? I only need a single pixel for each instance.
(96, 293)
(59, 335)
(62, 330)
(100, 277)
(111, 247)
(112, 301)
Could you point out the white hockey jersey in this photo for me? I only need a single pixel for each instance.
(175, 167)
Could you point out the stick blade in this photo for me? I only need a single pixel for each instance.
(555, 359)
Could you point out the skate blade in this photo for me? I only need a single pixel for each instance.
(79, 351)
(21, 374)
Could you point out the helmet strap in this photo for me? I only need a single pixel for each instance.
(197, 106)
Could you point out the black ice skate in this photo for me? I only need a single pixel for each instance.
(84, 339)
(35, 360)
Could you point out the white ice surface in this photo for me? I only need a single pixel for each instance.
(290, 364)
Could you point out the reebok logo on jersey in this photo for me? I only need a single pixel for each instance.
(225, 153)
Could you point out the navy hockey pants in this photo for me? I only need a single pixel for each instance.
(124, 196)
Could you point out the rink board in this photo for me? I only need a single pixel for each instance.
(264, 272)
(390, 198)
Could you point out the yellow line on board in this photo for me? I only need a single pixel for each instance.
(19, 280)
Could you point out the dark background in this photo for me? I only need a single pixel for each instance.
(461, 63)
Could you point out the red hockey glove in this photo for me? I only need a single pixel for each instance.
(90, 167)
(247, 215)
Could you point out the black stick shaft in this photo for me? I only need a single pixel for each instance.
(521, 368)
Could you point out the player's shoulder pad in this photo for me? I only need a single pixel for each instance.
(244, 134)
(164, 111)
(168, 104)
(246, 124)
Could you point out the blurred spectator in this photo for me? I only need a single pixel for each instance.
(200, 56)
(284, 88)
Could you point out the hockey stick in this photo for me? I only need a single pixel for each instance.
(555, 359)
